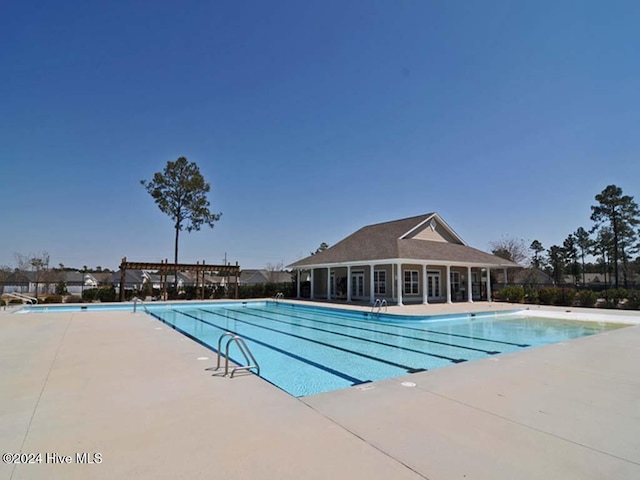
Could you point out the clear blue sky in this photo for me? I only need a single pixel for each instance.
(310, 120)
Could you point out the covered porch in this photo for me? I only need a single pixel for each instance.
(404, 282)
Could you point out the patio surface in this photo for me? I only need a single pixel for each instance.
(128, 387)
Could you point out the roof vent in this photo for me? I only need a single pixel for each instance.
(433, 224)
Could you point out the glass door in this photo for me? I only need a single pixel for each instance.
(433, 285)
(357, 284)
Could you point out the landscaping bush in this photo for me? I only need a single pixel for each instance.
(565, 297)
(73, 299)
(547, 296)
(89, 295)
(266, 290)
(3, 303)
(107, 294)
(633, 300)
(53, 299)
(530, 295)
(15, 301)
(104, 294)
(514, 294)
(586, 298)
(61, 288)
(613, 296)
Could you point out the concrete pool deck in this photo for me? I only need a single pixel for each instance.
(128, 387)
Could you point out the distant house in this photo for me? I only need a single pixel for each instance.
(525, 276)
(47, 280)
(598, 280)
(136, 279)
(414, 260)
(133, 279)
(259, 277)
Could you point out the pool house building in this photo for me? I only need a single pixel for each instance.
(413, 260)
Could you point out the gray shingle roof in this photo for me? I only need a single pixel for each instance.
(383, 241)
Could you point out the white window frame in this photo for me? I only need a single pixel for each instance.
(413, 282)
(380, 282)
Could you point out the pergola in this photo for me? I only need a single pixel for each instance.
(165, 268)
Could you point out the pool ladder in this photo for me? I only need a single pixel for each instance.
(136, 301)
(378, 305)
(244, 349)
(279, 296)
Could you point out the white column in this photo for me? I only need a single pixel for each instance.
(312, 296)
(348, 283)
(328, 283)
(399, 284)
(393, 284)
(448, 274)
(298, 284)
(488, 284)
(505, 277)
(371, 285)
(469, 286)
(425, 285)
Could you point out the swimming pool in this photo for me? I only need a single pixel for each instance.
(307, 350)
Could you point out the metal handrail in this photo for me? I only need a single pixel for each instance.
(379, 304)
(375, 304)
(225, 334)
(22, 296)
(244, 349)
(136, 301)
(279, 296)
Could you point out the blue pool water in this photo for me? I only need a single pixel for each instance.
(307, 350)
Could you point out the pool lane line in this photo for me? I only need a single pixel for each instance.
(452, 345)
(407, 368)
(435, 332)
(344, 376)
(346, 335)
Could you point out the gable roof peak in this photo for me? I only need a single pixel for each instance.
(435, 220)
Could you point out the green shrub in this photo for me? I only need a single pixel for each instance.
(613, 296)
(530, 294)
(73, 299)
(565, 297)
(513, 294)
(53, 299)
(61, 288)
(266, 290)
(547, 296)
(107, 294)
(89, 295)
(633, 300)
(3, 303)
(586, 298)
(15, 301)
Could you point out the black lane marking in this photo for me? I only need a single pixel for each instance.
(306, 339)
(349, 378)
(435, 332)
(407, 349)
(453, 345)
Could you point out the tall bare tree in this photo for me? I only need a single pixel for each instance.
(510, 248)
(37, 263)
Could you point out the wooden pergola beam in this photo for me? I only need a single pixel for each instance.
(165, 268)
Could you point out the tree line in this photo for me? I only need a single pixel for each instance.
(612, 242)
